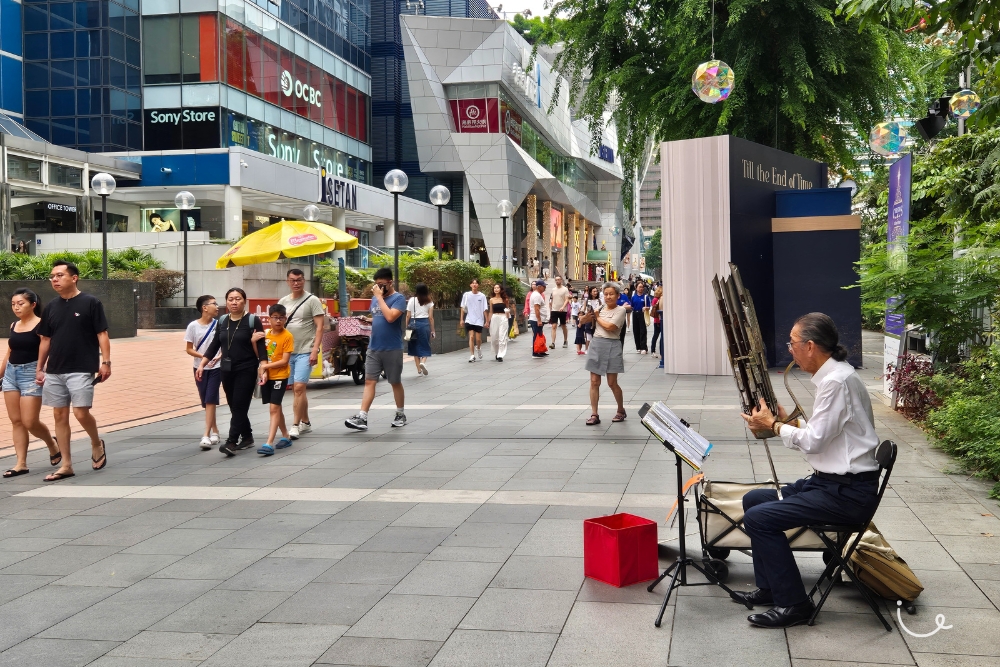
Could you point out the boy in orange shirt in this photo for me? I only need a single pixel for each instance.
(274, 377)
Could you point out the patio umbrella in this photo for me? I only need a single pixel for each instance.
(288, 238)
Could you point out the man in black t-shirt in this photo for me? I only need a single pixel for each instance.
(75, 346)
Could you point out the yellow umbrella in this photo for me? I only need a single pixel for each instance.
(289, 238)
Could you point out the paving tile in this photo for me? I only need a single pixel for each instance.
(172, 645)
(271, 531)
(13, 586)
(135, 529)
(436, 515)
(277, 645)
(55, 652)
(973, 632)
(371, 567)
(972, 548)
(553, 537)
(120, 570)
(61, 560)
(598, 591)
(479, 648)
(541, 572)
(437, 577)
(378, 652)
(43, 608)
(413, 617)
(277, 574)
(518, 610)
(329, 551)
(486, 535)
(471, 554)
(825, 640)
(402, 538)
(68, 528)
(608, 635)
(328, 604)
(954, 660)
(336, 531)
(224, 612)
(374, 511)
(128, 612)
(212, 563)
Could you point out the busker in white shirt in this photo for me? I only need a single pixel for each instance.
(839, 442)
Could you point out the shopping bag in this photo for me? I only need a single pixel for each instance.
(646, 316)
(514, 333)
(540, 346)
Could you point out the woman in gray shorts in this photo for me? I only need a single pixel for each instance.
(605, 354)
(21, 394)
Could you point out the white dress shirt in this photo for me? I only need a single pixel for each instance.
(840, 436)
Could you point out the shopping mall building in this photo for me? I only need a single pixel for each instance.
(261, 109)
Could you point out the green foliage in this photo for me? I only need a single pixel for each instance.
(538, 29)
(128, 263)
(807, 81)
(654, 254)
(167, 283)
(967, 425)
(358, 280)
(950, 278)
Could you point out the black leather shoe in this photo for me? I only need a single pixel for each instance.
(783, 617)
(761, 596)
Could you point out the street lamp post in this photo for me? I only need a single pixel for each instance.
(504, 208)
(103, 184)
(184, 201)
(395, 182)
(440, 196)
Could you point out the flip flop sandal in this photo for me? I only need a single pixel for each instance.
(56, 459)
(594, 420)
(103, 459)
(619, 416)
(15, 473)
(56, 476)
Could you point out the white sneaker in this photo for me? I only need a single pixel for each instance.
(206, 443)
(214, 439)
(423, 368)
(293, 431)
(304, 427)
(472, 358)
(479, 351)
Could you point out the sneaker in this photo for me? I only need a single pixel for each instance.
(565, 344)
(500, 359)
(282, 443)
(357, 422)
(479, 352)
(472, 358)
(245, 444)
(227, 448)
(265, 450)
(214, 439)
(206, 443)
(552, 347)
(304, 427)
(293, 431)
(423, 368)
(399, 420)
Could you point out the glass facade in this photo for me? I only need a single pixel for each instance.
(342, 26)
(11, 71)
(82, 73)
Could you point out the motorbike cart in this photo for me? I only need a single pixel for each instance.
(345, 347)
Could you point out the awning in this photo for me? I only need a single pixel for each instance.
(599, 256)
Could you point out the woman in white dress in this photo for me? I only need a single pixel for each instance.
(498, 321)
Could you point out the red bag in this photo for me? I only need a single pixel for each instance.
(620, 549)
(539, 346)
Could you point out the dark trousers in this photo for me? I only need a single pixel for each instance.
(657, 330)
(808, 501)
(238, 386)
(639, 330)
(536, 331)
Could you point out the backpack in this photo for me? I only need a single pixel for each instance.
(252, 321)
(539, 346)
(882, 570)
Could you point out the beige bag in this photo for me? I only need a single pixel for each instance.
(727, 498)
(646, 316)
(881, 569)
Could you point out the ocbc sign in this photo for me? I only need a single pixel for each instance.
(292, 87)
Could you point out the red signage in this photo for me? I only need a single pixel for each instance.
(476, 115)
(510, 122)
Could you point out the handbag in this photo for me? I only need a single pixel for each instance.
(540, 346)
(514, 333)
(408, 334)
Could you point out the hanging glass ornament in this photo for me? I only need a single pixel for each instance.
(887, 138)
(964, 103)
(713, 81)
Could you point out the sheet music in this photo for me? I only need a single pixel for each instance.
(668, 429)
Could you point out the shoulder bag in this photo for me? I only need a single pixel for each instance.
(408, 334)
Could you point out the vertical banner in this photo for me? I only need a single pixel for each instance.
(898, 230)
(555, 216)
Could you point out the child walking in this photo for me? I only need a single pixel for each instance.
(274, 377)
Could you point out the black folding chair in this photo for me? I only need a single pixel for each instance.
(836, 538)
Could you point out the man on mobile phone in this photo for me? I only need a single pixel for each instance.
(75, 346)
(385, 349)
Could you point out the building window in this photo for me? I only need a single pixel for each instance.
(162, 55)
(24, 169)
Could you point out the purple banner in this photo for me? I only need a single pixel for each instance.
(898, 229)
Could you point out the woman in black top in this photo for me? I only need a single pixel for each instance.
(21, 394)
(240, 364)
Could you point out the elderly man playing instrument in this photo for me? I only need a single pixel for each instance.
(839, 442)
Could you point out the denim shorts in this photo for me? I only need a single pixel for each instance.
(21, 378)
(300, 368)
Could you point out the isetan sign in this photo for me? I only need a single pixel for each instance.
(475, 116)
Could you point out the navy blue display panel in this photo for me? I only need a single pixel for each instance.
(756, 172)
(811, 270)
(810, 203)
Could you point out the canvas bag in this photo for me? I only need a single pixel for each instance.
(881, 569)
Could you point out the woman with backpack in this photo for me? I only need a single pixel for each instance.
(241, 358)
(199, 335)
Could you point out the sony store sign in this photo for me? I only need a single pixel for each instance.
(173, 129)
(292, 87)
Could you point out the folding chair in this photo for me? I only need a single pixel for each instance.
(836, 538)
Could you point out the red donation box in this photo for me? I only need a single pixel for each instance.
(620, 549)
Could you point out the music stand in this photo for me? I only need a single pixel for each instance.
(678, 570)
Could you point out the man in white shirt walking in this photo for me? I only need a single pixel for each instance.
(473, 318)
(839, 441)
(306, 321)
(538, 315)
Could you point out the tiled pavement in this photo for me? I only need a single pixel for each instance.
(456, 540)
